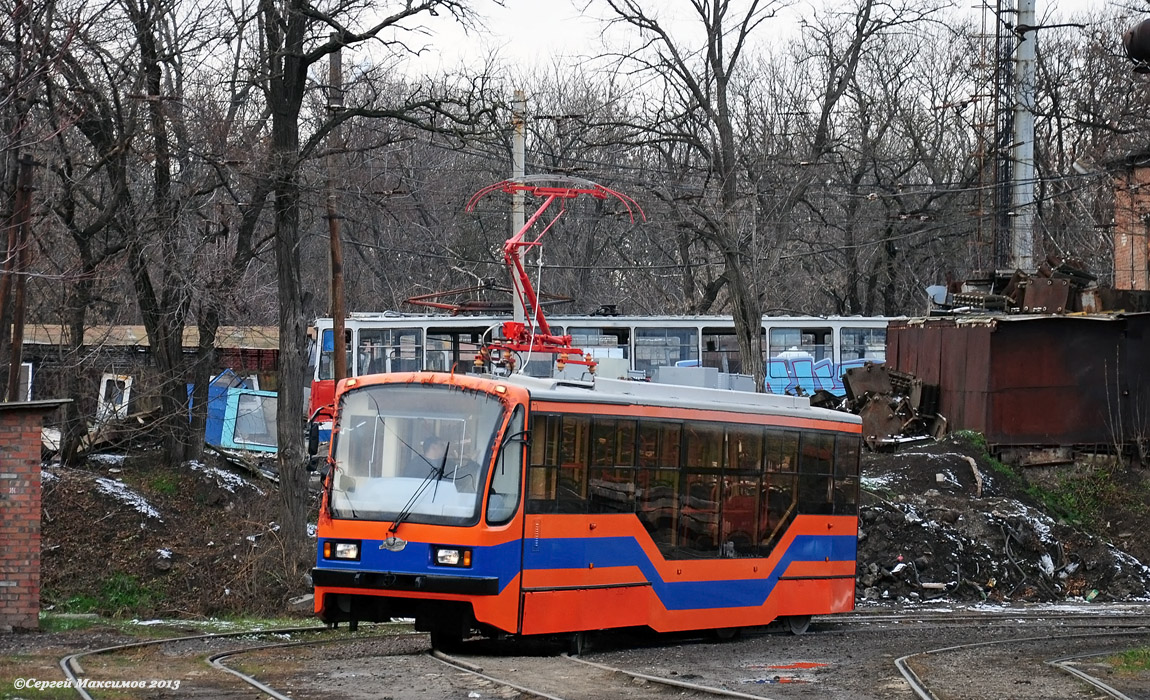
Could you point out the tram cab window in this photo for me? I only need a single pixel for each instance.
(326, 368)
(383, 350)
(503, 497)
(665, 347)
(862, 344)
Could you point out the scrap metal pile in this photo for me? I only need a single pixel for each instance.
(1058, 286)
(896, 408)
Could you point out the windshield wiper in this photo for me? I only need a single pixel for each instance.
(436, 473)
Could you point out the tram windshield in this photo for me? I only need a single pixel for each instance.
(413, 452)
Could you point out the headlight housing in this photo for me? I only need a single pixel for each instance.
(348, 551)
(451, 556)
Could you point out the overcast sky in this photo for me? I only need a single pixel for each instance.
(539, 31)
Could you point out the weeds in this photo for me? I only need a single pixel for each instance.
(1131, 661)
(120, 594)
(166, 484)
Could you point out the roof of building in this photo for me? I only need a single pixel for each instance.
(237, 337)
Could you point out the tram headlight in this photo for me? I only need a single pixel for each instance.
(341, 550)
(452, 556)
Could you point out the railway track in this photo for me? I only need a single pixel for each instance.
(945, 672)
(1048, 654)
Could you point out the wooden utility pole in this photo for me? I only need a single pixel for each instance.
(338, 308)
(20, 262)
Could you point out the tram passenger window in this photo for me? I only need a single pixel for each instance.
(574, 435)
(625, 443)
(659, 444)
(779, 507)
(721, 350)
(814, 344)
(699, 516)
(862, 344)
(745, 449)
(782, 450)
(603, 442)
(657, 496)
(741, 521)
(611, 490)
(601, 342)
(389, 350)
(542, 474)
(665, 347)
(704, 445)
(780, 500)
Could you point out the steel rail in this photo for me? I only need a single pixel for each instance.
(70, 664)
(920, 689)
(669, 681)
(468, 667)
(1061, 664)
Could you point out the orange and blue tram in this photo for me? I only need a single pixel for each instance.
(528, 506)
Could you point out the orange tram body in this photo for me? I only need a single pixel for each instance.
(524, 506)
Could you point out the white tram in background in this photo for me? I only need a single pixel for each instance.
(804, 354)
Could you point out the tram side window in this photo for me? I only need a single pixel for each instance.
(542, 473)
(816, 473)
(657, 481)
(721, 350)
(781, 455)
(742, 506)
(601, 342)
(812, 344)
(389, 350)
(574, 436)
(665, 347)
(862, 344)
(611, 480)
(847, 449)
(700, 519)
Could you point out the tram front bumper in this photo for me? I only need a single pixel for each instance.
(390, 581)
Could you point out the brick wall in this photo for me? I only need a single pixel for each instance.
(20, 513)
(1131, 228)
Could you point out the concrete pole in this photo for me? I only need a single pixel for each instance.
(518, 172)
(1024, 208)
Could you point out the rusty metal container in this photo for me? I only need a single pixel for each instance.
(1034, 380)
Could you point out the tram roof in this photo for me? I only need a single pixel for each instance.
(600, 320)
(639, 393)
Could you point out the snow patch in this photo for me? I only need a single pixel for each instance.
(47, 477)
(224, 479)
(164, 553)
(107, 459)
(120, 491)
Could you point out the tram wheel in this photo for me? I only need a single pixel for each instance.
(353, 625)
(797, 624)
(447, 636)
(726, 634)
